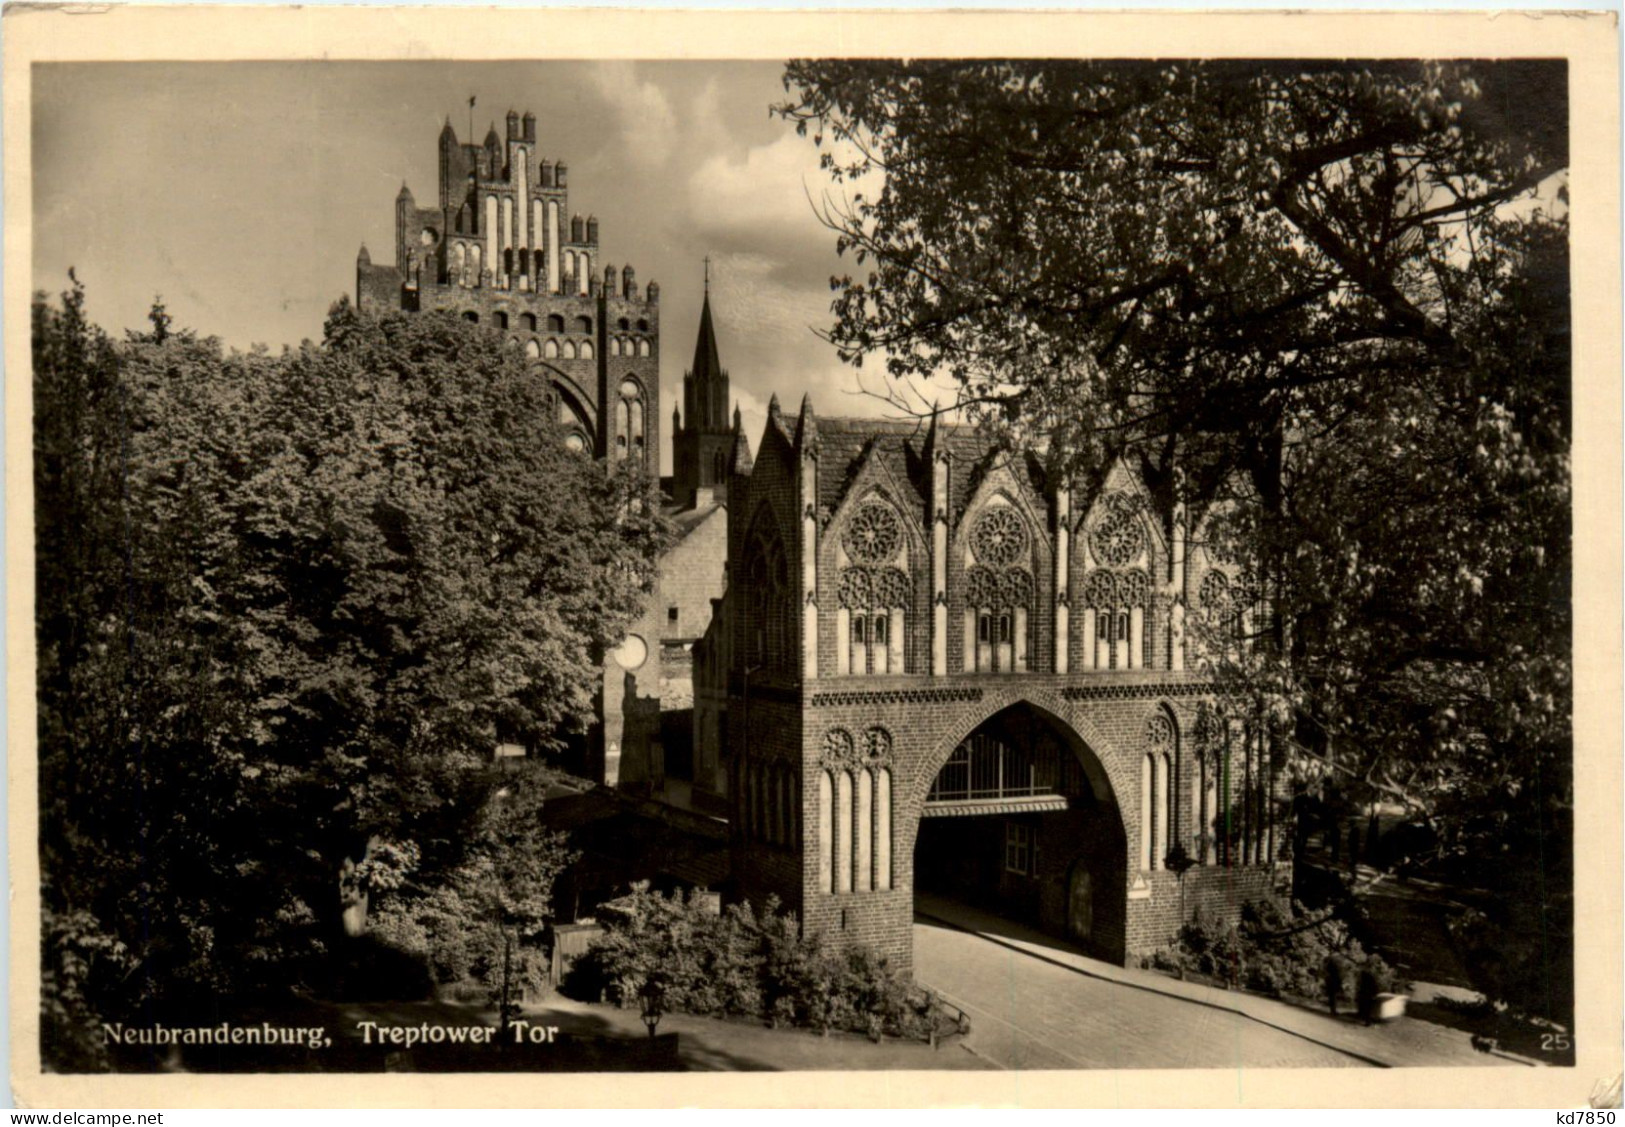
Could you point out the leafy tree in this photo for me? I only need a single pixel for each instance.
(483, 918)
(287, 606)
(1324, 310)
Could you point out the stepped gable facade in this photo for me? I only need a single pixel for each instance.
(937, 665)
(501, 247)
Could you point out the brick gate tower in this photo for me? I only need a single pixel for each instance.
(947, 669)
(502, 248)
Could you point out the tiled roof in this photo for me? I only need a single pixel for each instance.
(900, 444)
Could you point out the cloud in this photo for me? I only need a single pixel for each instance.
(645, 120)
(762, 199)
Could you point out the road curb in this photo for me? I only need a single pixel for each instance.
(1016, 945)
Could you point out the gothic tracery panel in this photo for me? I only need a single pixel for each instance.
(1133, 588)
(1100, 590)
(855, 589)
(981, 587)
(889, 587)
(1015, 589)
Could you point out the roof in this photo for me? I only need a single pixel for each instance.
(900, 444)
(687, 520)
(707, 363)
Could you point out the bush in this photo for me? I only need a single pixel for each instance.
(1521, 959)
(748, 965)
(1277, 948)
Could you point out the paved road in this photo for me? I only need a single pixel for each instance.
(1028, 1013)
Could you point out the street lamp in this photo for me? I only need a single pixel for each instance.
(652, 998)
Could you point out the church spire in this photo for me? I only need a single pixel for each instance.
(710, 403)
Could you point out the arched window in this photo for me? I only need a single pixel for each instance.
(475, 268)
(768, 597)
(527, 321)
(458, 257)
(873, 593)
(1156, 787)
(583, 273)
(583, 324)
(472, 317)
(550, 350)
(552, 243)
(502, 320)
(1114, 618)
(643, 347)
(555, 323)
(623, 324)
(643, 326)
(853, 839)
(1000, 593)
(614, 346)
(533, 351)
(629, 411)
(569, 350)
(586, 350)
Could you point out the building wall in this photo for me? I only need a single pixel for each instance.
(601, 309)
(1136, 720)
(689, 577)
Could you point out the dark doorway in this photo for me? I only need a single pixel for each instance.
(1020, 822)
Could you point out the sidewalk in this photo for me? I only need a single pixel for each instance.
(708, 1044)
(1403, 1043)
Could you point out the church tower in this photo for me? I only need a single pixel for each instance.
(500, 247)
(702, 436)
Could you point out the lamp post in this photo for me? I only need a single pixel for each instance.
(652, 999)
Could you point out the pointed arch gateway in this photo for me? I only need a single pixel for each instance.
(1015, 814)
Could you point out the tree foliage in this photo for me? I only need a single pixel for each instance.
(1323, 309)
(286, 607)
(482, 919)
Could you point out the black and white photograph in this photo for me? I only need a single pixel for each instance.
(826, 562)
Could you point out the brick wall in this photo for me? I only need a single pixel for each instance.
(1104, 717)
(1220, 892)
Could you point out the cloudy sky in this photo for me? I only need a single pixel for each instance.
(240, 192)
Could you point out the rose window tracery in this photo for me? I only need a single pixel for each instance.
(838, 746)
(872, 535)
(877, 744)
(1117, 537)
(999, 537)
(1159, 730)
